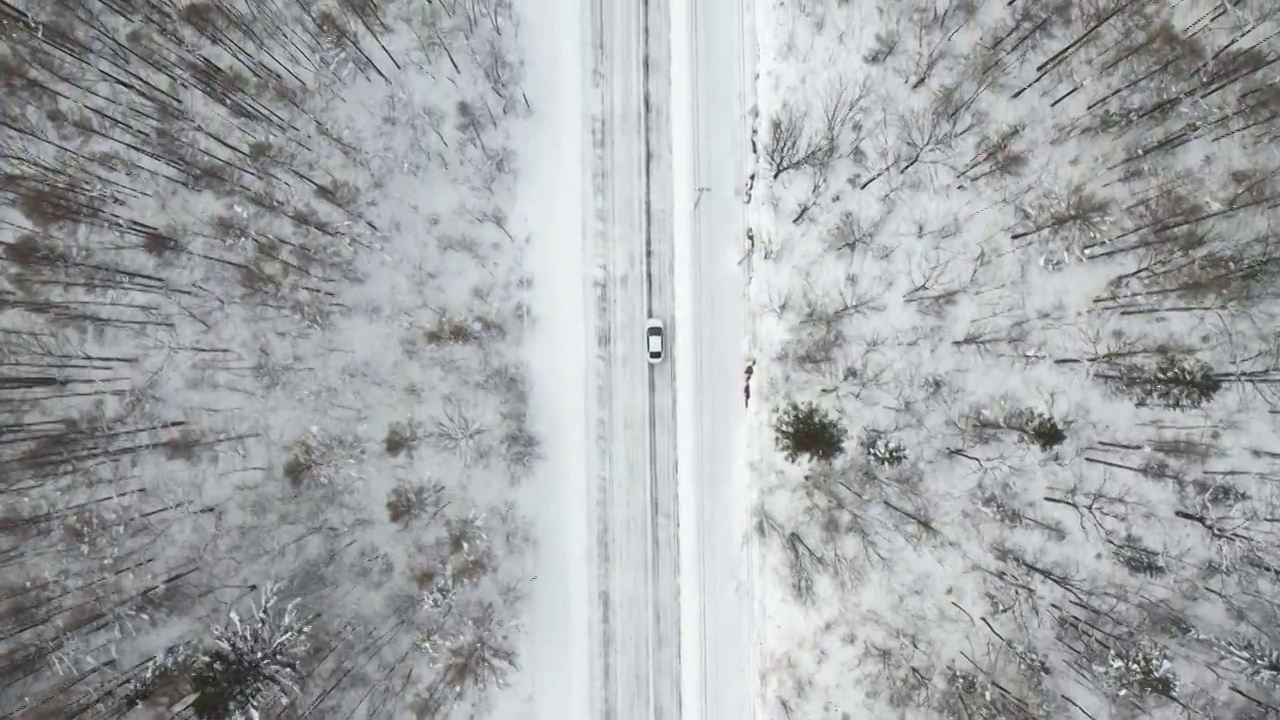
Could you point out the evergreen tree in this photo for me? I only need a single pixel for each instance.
(1175, 382)
(808, 430)
(1038, 428)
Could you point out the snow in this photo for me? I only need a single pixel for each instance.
(713, 69)
(634, 617)
(919, 299)
(622, 492)
(604, 620)
(553, 682)
(253, 367)
(1044, 324)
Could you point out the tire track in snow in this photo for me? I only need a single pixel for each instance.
(660, 241)
(601, 642)
(635, 611)
(631, 555)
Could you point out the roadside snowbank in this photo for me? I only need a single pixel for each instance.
(552, 684)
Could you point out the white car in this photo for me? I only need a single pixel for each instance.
(655, 338)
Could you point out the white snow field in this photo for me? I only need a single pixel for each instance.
(550, 209)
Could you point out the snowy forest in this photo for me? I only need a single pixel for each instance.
(1016, 277)
(262, 403)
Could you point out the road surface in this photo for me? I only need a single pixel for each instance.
(713, 101)
(670, 615)
(635, 619)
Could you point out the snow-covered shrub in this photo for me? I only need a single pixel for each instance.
(972, 696)
(254, 664)
(401, 438)
(1142, 669)
(408, 502)
(164, 680)
(1257, 660)
(885, 451)
(1039, 429)
(322, 458)
(1174, 382)
(459, 432)
(1138, 559)
(519, 448)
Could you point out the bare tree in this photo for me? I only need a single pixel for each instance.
(791, 145)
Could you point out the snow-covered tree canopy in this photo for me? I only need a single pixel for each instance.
(255, 661)
(1025, 252)
(260, 317)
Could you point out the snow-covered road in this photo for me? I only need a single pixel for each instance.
(670, 619)
(713, 99)
(631, 406)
